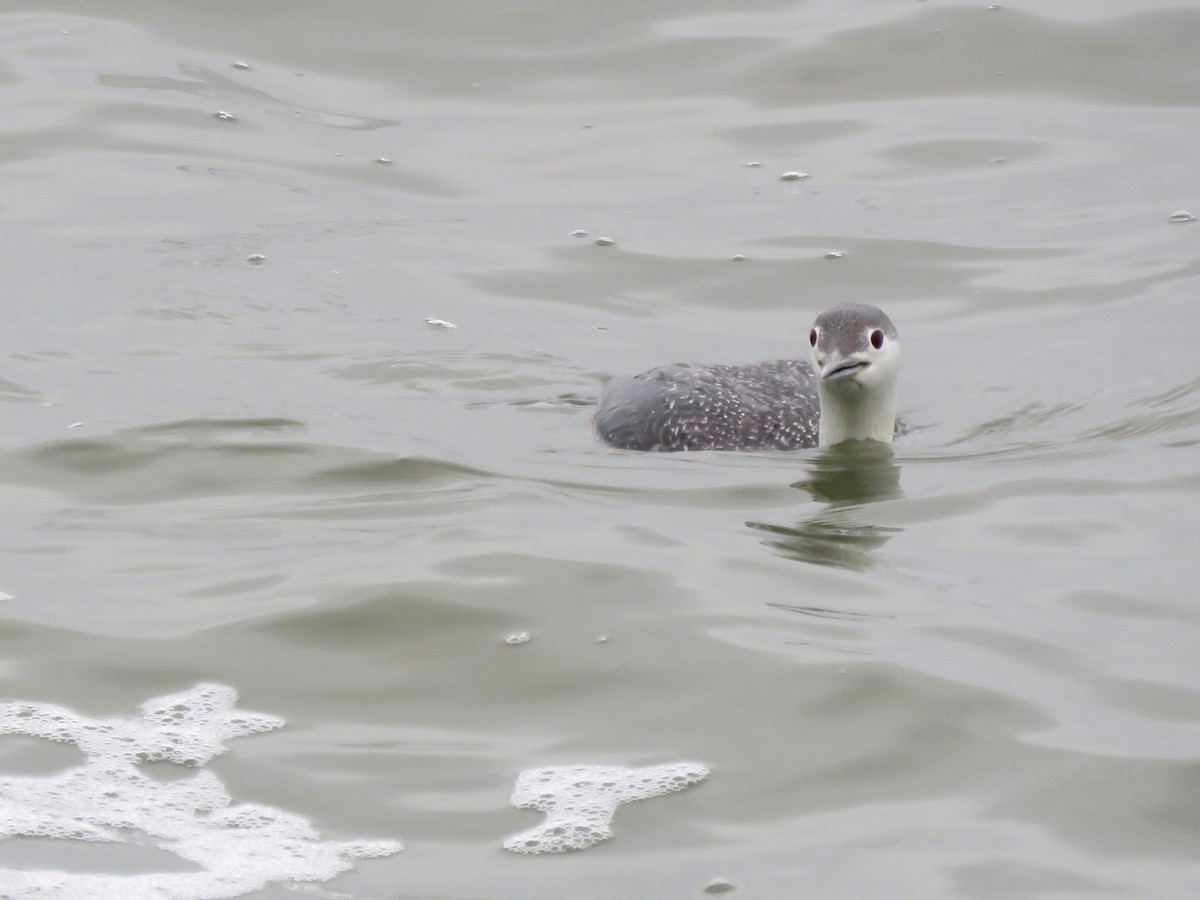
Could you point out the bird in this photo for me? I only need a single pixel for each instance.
(846, 393)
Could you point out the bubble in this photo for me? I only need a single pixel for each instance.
(518, 637)
(225, 116)
(738, 257)
(580, 801)
(383, 160)
(604, 242)
(440, 323)
(834, 254)
(579, 233)
(793, 176)
(256, 259)
(232, 849)
(719, 886)
(241, 65)
(753, 164)
(1182, 216)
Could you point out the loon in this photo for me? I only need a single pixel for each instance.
(848, 393)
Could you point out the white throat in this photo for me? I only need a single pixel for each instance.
(852, 411)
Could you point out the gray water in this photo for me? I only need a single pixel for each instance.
(971, 669)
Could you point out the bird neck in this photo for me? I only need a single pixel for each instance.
(859, 414)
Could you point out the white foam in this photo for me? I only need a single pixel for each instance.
(579, 801)
(238, 847)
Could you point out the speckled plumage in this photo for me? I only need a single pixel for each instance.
(775, 405)
(771, 405)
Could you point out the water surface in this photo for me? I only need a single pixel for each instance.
(235, 452)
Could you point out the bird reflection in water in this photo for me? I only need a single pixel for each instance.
(847, 478)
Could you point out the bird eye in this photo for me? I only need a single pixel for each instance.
(877, 339)
(812, 338)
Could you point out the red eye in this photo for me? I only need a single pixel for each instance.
(812, 338)
(877, 339)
